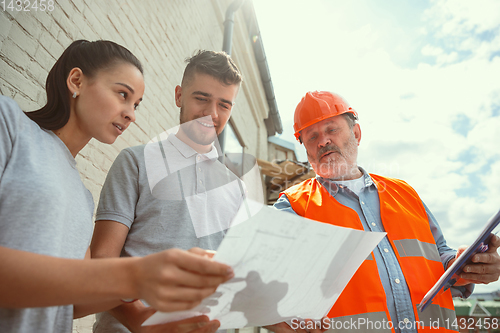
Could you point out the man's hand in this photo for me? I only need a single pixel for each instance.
(308, 324)
(485, 267)
(200, 324)
(175, 280)
(132, 315)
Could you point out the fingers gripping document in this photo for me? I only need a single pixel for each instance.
(285, 267)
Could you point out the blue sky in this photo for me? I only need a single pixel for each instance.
(424, 77)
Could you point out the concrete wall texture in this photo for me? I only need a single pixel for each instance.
(160, 33)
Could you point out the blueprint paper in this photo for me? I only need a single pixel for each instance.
(285, 267)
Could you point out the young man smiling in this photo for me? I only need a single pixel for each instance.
(173, 192)
(201, 95)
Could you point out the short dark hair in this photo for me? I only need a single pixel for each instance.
(90, 57)
(216, 64)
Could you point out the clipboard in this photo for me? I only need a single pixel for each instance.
(450, 276)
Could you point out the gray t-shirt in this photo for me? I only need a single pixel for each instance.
(169, 196)
(44, 208)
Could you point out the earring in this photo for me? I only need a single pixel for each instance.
(74, 94)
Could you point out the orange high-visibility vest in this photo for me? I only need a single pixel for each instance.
(405, 221)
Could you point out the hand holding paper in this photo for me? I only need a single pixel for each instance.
(200, 324)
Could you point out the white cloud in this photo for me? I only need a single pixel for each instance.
(492, 181)
(465, 25)
(429, 50)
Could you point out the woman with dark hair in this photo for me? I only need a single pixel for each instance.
(46, 212)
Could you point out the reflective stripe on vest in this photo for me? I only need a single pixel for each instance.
(416, 248)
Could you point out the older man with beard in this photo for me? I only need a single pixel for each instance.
(385, 292)
(172, 192)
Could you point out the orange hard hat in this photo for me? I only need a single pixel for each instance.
(316, 106)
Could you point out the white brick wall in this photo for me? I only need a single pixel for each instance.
(161, 34)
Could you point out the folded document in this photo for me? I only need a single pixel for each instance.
(285, 267)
